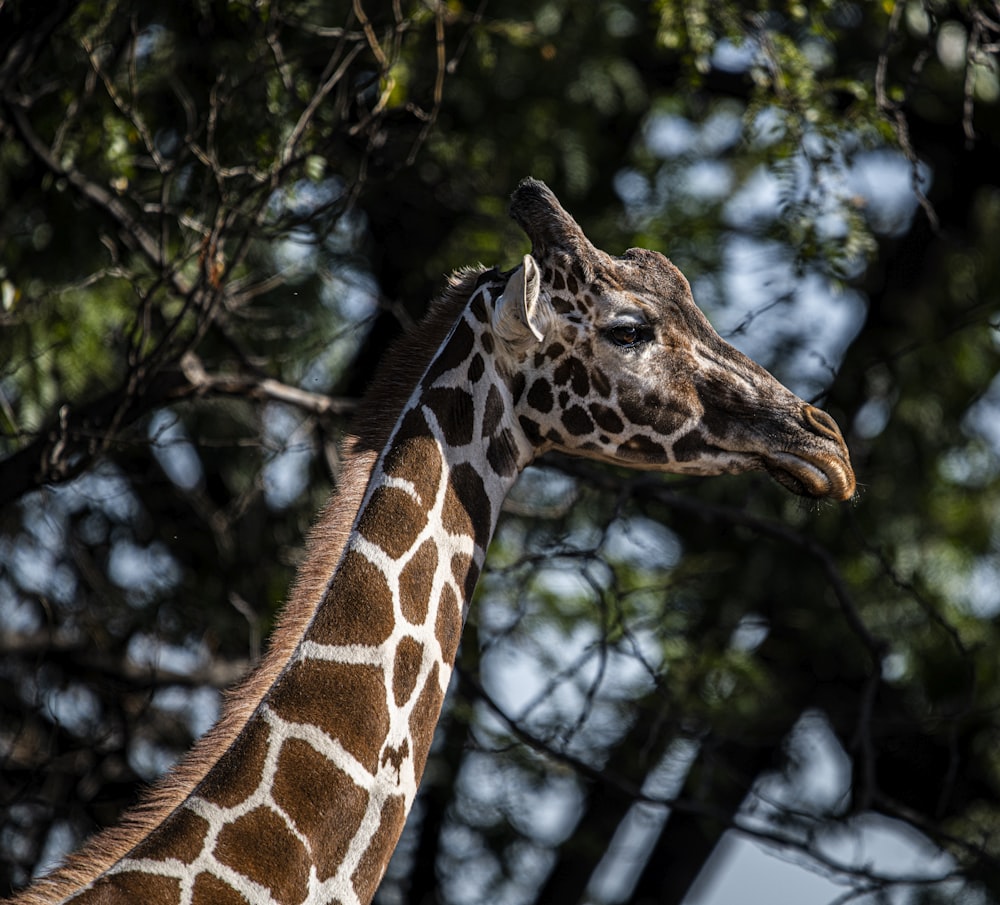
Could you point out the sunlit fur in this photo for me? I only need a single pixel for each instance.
(705, 377)
(378, 414)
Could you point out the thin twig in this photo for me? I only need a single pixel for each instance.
(204, 384)
(894, 112)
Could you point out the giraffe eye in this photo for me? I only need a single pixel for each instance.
(628, 335)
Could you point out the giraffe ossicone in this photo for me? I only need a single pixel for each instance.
(300, 793)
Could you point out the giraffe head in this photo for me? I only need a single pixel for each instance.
(613, 360)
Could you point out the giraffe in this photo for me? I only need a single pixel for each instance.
(300, 793)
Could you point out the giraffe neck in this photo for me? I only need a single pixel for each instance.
(318, 771)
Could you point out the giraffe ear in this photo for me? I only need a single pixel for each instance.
(521, 312)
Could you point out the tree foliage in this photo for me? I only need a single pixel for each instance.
(215, 217)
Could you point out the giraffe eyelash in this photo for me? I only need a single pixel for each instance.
(629, 334)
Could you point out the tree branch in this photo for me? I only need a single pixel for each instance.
(215, 673)
(65, 449)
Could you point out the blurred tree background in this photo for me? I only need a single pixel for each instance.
(214, 218)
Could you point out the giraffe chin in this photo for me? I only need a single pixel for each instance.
(827, 477)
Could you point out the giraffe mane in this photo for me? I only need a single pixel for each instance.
(377, 416)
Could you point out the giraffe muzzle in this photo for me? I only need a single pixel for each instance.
(821, 466)
(821, 423)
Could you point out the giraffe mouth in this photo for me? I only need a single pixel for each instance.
(817, 476)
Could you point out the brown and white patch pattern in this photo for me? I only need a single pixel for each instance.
(300, 795)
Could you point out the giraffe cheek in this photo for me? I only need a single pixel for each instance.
(606, 418)
(571, 373)
(641, 448)
(539, 396)
(691, 446)
(577, 422)
(665, 417)
(601, 382)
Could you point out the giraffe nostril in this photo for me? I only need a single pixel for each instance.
(821, 423)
